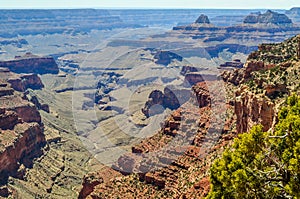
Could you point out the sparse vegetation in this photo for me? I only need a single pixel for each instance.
(262, 164)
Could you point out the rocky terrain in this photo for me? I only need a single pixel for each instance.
(232, 64)
(30, 63)
(127, 100)
(205, 40)
(269, 17)
(40, 153)
(270, 22)
(254, 94)
(21, 128)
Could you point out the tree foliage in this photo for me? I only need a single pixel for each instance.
(262, 164)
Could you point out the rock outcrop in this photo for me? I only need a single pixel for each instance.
(193, 75)
(233, 64)
(192, 78)
(202, 19)
(178, 177)
(269, 17)
(21, 82)
(30, 63)
(166, 57)
(268, 27)
(254, 94)
(89, 182)
(202, 95)
(21, 132)
(251, 109)
(239, 76)
(25, 81)
(262, 82)
(170, 98)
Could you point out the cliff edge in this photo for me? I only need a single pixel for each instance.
(30, 63)
(21, 129)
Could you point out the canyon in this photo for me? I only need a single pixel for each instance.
(187, 175)
(110, 103)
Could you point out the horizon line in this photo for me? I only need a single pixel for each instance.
(138, 8)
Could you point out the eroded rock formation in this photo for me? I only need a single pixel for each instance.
(251, 109)
(254, 94)
(166, 57)
(30, 63)
(25, 81)
(171, 98)
(270, 17)
(21, 132)
(202, 19)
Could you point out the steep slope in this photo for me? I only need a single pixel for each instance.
(40, 155)
(270, 74)
(21, 130)
(59, 171)
(254, 95)
(262, 164)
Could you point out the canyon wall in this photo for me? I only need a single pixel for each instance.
(31, 64)
(21, 129)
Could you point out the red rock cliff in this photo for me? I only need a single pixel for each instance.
(21, 132)
(251, 109)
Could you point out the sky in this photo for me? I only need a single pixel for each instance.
(246, 4)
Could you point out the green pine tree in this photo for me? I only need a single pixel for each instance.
(262, 164)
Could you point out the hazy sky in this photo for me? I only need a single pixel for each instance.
(278, 4)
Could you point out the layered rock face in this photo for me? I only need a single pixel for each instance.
(21, 129)
(191, 122)
(21, 82)
(265, 79)
(21, 132)
(251, 109)
(269, 17)
(193, 75)
(268, 27)
(31, 64)
(233, 64)
(254, 94)
(25, 81)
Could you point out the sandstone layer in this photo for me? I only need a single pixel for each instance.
(21, 131)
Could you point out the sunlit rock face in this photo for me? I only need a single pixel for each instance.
(21, 131)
